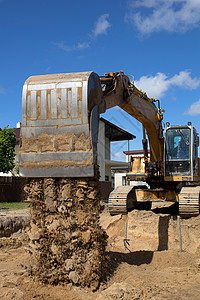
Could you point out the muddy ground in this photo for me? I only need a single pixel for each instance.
(152, 268)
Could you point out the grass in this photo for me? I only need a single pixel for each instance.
(13, 205)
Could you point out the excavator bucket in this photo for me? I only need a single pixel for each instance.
(59, 132)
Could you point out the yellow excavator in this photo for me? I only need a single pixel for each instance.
(59, 135)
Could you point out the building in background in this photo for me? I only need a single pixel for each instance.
(108, 132)
(137, 157)
(137, 166)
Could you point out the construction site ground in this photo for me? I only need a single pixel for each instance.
(151, 268)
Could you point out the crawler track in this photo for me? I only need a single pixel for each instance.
(121, 200)
(189, 201)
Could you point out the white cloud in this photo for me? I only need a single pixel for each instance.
(2, 90)
(170, 15)
(156, 86)
(194, 109)
(83, 45)
(183, 79)
(66, 48)
(101, 25)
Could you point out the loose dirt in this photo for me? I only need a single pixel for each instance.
(48, 143)
(51, 143)
(152, 268)
(67, 243)
(13, 221)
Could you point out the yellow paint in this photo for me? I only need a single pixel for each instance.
(156, 195)
(182, 178)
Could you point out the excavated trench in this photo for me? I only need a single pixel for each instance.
(67, 243)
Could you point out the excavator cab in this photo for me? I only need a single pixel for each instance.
(181, 153)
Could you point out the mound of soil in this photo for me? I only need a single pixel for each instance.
(151, 232)
(13, 221)
(152, 268)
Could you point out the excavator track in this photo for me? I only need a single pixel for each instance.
(189, 201)
(121, 200)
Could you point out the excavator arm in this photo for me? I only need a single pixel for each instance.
(118, 90)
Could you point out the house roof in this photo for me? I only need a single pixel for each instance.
(115, 133)
(120, 169)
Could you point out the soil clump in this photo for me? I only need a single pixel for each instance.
(67, 244)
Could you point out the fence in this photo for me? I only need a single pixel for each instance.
(12, 188)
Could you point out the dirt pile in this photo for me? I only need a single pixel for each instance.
(152, 232)
(11, 222)
(149, 271)
(67, 242)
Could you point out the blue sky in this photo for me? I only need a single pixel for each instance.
(156, 41)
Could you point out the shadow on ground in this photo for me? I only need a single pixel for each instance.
(171, 210)
(137, 258)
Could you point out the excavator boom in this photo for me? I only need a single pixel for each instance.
(142, 108)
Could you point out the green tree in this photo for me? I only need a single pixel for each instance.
(7, 149)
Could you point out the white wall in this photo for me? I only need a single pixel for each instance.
(133, 155)
(107, 149)
(101, 150)
(119, 180)
(108, 171)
